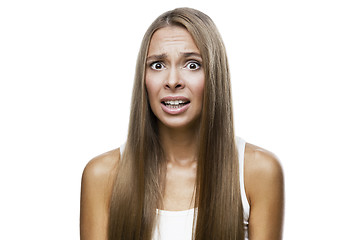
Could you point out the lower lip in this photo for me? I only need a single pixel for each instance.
(174, 111)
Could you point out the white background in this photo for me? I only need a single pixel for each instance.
(66, 71)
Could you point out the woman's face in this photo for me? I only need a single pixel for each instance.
(174, 77)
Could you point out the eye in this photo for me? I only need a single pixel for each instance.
(193, 65)
(157, 65)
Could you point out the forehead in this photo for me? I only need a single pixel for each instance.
(171, 37)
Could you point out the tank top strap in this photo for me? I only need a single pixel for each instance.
(122, 147)
(241, 155)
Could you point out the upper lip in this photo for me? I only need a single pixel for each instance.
(173, 98)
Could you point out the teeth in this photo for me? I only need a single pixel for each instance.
(174, 102)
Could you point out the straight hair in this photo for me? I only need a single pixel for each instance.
(139, 183)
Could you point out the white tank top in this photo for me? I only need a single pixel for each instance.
(177, 225)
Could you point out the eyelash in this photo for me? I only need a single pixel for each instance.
(194, 62)
(152, 65)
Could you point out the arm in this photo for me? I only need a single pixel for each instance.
(96, 188)
(264, 184)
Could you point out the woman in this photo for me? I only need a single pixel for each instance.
(182, 173)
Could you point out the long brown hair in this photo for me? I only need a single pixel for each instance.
(139, 183)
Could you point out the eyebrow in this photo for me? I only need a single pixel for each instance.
(164, 55)
(191, 54)
(156, 57)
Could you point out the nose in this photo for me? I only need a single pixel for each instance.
(174, 80)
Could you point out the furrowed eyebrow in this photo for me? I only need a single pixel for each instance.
(191, 54)
(164, 56)
(157, 57)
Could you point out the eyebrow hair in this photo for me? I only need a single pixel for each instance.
(157, 57)
(190, 54)
(164, 55)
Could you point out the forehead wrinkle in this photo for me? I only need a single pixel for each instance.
(172, 34)
(167, 41)
(160, 38)
(169, 35)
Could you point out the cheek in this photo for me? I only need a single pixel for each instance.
(149, 84)
(198, 86)
(152, 89)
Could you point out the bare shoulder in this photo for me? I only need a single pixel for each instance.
(263, 170)
(260, 160)
(98, 176)
(102, 166)
(264, 186)
(96, 188)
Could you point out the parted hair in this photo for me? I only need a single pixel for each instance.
(139, 183)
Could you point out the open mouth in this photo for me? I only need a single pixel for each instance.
(175, 103)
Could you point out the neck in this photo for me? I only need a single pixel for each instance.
(180, 145)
